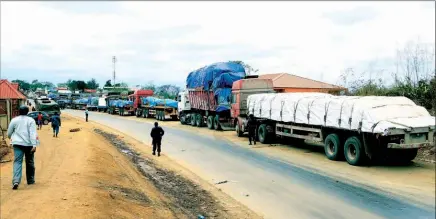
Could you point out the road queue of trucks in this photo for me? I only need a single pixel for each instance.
(351, 132)
(359, 129)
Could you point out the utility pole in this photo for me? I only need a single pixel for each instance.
(114, 59)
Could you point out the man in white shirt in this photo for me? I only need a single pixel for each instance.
(22, 132)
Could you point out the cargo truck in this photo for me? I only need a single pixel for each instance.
(74, 97)
(47, 105)
(152, 107)
(358, 129)
(92, 104)
(198, 107)
(111, 99)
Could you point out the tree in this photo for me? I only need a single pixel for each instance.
(62, 85)
(167, 91)
(122, 84)
(81, 85)
(72, 85)
(248, 68)
(149, 86)
(92, 84)
(24, 85)
(108, 83)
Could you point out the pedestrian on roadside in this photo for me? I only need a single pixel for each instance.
(86, 114)
(22, 132)
(39, 118)
(252, 126)
(55, 123)
(156, 134)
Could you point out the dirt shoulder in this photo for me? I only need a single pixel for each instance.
(84, 175)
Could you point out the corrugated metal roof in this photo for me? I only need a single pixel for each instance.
(15, 85)
(7, 91)
(285, 80)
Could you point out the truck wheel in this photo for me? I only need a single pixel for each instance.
(262, 133)
(192, 117)
(182, 119)
(239, 132)
(138, 113)
(333, 147)
(216, 123)
(209, 122)
(199, 121)
(353, 151)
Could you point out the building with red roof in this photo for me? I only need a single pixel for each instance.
(10, 100)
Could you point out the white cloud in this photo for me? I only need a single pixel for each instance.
(163, 41)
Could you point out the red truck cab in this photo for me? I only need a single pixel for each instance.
(136, 98)
(241, 89)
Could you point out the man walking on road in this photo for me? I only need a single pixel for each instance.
(252, 125)
(86, 114)
(22, 132)
(39, 121)
(55, 124)
(156, 134)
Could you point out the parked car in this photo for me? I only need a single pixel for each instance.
(45, 117)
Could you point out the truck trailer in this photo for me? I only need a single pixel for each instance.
(351, 127)
(161, 109)
(198, 107)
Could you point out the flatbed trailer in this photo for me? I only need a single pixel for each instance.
(161, 113)
(358, 129)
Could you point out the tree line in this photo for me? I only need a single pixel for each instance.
(414, 77)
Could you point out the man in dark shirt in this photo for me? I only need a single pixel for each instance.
(156, 134)
(251, 125)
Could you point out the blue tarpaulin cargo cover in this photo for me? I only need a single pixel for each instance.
(153, 101)
(204, 77)
(226, 80)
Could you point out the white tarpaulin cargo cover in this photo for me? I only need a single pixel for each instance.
(369, 113)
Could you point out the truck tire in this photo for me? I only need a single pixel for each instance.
(216, 123)
(239, 132)
(192, 116)
(182, 119)
(146, 113)
(209, 122)
(199, 120)
(333, 147)
(353, 151)
(262, 133)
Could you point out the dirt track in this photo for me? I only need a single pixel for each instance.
(82, 175)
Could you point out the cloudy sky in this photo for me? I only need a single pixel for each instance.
(163, 41)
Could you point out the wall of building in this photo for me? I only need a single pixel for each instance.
(294, 90)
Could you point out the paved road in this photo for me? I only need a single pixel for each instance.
(271, 187)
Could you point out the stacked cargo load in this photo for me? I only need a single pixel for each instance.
(365, 125)
(213, 85)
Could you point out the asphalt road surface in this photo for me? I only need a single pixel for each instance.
(271, 187)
